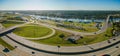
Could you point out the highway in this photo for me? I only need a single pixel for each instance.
(11, 28)
(66, 30)
(37, 53)
(103, 29)
(53, 48)
(16, 40)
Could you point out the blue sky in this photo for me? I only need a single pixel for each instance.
(59, 4)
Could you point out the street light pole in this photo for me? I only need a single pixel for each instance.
(58, 49)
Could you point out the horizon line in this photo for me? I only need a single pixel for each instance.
(59, 10)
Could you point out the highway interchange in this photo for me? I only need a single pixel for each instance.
(14, 40)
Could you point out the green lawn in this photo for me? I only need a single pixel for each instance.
(98, 38)
(32, 31)
(12, 17)
(3, 43)
(56, 40)
(48, 21)
(10, 23)
(80, 24)
(88, 27)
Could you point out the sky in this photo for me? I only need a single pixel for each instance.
(59, 4)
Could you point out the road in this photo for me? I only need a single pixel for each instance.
(54, 49)
(15, 52)
(110, 50)
(103, 29)
(11, 28)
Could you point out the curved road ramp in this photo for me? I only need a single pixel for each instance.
(62, 50)
(65, 50)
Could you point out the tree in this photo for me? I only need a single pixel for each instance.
(61, 35)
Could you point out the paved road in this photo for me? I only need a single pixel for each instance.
(1, 51)
(38, 53)
(55, 49)
(98, 53)
(103, 29)
(63, 29)
(11, 28)
(62, 49)
(15, 52)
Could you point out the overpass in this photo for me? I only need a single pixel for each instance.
(62, 50)
(10, 29)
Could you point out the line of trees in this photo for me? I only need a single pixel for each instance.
(73, 14)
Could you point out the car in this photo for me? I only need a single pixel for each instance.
(106, 55)
(118, 54)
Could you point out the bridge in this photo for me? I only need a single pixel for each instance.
(10, 29)
(53, 49)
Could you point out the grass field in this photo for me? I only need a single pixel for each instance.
(89, 27)
(56, 40)
(12, 17)
(48, 21)
(32, 31)
(80, 24)
(10, 23)
(3, 43)
(97, 38)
